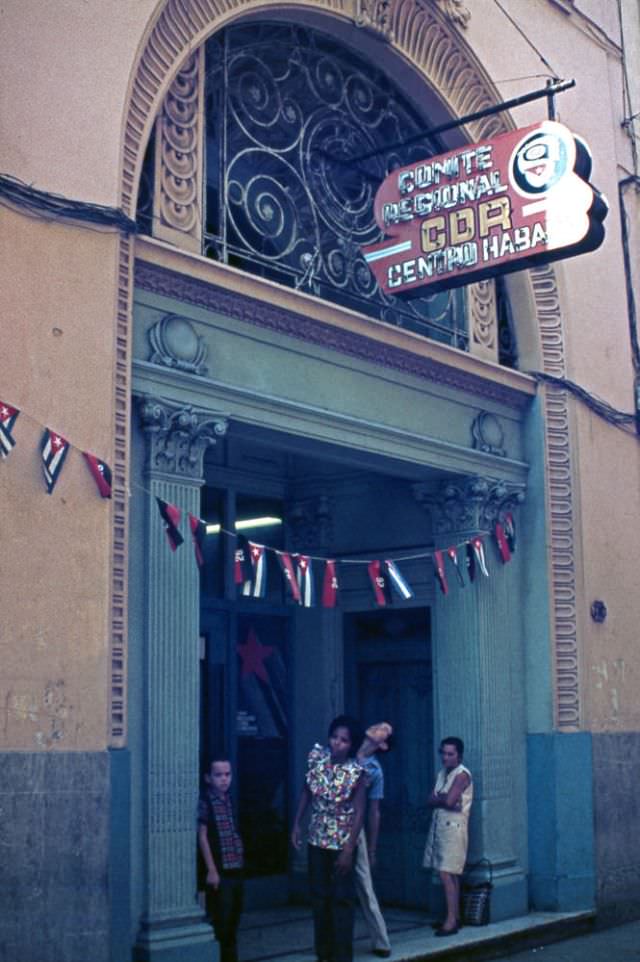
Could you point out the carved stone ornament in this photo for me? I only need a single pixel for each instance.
(455, 11)
(487, 434)
(178, 436)
(175, 343)
(310, 522)
(469, 504)
(375, 15)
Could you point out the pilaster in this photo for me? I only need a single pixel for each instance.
(172, 928)
(479, 691)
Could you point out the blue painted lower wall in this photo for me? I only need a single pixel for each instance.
(562, 863)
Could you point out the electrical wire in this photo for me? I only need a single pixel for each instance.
(604, 410)
(522, 33)
(49, 206)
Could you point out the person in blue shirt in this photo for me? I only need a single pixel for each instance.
(376, 739)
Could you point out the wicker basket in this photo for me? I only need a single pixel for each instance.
(475, 896)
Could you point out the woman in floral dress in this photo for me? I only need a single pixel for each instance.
(335, 788)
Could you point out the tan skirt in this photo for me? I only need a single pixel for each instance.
(446, 848)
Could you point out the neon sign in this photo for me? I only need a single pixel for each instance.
(521, 199)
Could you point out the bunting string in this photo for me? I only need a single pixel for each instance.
(387, 582)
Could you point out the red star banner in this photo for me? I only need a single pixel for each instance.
(8, 417)
(54, 449)
(452, 555)
(441, 577)
(503, 544)
(379, 583)
(254, 655)
(101, 473)
(198, 534)
(330, 585)
(171, 517)
(289, 575)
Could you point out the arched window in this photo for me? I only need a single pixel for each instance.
(299, 133)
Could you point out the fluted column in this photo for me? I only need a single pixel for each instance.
(479, 679)
(171, 926)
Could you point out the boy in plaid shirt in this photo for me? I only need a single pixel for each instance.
(222, 852)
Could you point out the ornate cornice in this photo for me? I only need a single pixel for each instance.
(188, 290)
(178, 436)
(470, 505)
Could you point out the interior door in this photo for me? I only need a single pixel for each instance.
(389, 678)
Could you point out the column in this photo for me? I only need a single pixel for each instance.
(479, 692)
(172, 927)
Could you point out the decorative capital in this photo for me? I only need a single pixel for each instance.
(175, 343)
(178, 436)
(470, 504)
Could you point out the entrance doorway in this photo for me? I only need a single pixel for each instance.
(388, 677)
(274, 672)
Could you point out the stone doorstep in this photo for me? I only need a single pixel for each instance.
(413, 942)
(494, 941)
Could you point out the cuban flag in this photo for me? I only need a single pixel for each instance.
(452, 555)
(397, 582)
(476, 558)
(242, 571)
(503, 544)
(257, 587)
(441, 576)
(304, 574)
(170, 514)
(8, 417)
(289, 575)
(198, 534)
(379, 583)
(330, 585)
(101, 473)
(54, 449)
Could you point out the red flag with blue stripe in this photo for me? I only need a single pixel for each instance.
(289, 575)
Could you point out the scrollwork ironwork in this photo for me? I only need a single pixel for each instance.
(289, 112)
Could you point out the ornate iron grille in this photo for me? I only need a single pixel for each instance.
(288, 112)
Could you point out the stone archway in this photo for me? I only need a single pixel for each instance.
(427, 36)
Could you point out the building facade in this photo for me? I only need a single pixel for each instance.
(187, 187)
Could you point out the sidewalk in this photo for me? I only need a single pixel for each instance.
(286, 934)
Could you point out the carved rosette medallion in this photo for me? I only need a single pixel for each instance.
(175, 343)
(178, 436)
(470, 505)
(487, 434)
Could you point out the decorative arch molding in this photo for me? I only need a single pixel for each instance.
(426, 33)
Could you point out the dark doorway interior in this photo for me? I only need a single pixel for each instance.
(388, 678)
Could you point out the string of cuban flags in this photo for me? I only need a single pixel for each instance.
(297, 570)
